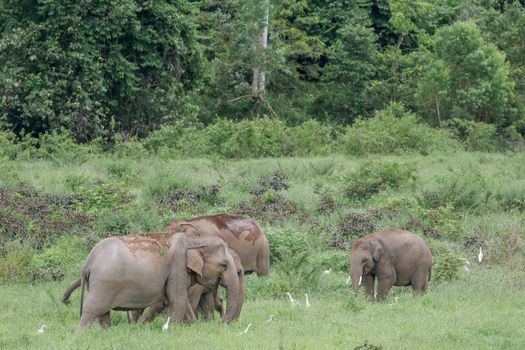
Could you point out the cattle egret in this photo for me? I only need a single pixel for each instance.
(246, 330)
(166, 325)
(292, 300)
(269, 319)
(41, 329)
(326, 272)
(348, 279)
(307, 302)
(480, 255)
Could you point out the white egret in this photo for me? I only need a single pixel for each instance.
(480, 255)
(307, 302)
(41, 329)
(292, 300)
(246, 330)
(166, 325)
(269, 319)
(326, 272)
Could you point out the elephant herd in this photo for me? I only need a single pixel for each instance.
(178, 272)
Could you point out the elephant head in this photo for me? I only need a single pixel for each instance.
(364, 255)
(210, 262)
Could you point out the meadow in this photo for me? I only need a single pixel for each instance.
(53, 211)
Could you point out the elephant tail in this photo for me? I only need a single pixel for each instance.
(263, 259)
(71, 289)
(83, 281)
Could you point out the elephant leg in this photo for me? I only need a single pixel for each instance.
(104, 320)
(135, 315)
(91, 310)
(384, 285)
(152, 312)
(207, 305)
(369, 281)
(194, 295)
(219, 302)
(420, 281)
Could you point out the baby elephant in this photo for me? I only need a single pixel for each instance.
(396, 257)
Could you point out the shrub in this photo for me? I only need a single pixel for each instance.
(103, 196)
(182, 199)
(62, 148)
(286, 241)
(310, 138)
(66, 255)
(373, 177)
(127, 219)
(476, 136)
(336, 260)
(465, 190)
(395, 130)
(446, 267)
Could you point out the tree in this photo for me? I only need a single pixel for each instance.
(95, 67)
(469, 78)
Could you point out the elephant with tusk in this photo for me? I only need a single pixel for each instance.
(395, 257)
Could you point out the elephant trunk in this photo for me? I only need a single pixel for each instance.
(177, 280)
(230, 279)
(356, 273)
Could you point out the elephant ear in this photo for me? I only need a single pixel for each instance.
(195, 261)
(377, 251)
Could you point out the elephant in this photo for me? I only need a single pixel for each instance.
(203, 300)
(242, 234)
(141, 270)
(396, 257)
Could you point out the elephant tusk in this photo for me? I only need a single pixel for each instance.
(348, 279)
(360, 279)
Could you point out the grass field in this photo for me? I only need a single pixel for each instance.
(315, 206)
(483, 309)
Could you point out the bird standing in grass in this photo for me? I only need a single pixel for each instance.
(246, 330)
(307, 302)
(480, 255)
(166, 325)
(292, 300)
(41, 329)
(326, 272)
(269, 319)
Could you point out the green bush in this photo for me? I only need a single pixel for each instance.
(336, 260)
(446, 267)
(373, 177)
(286, 241)
(64, 256)
(127, 219)
(476, 136)
(395, 130)
(465, 189)
(310, 138)
(62, 148)
(103, 196)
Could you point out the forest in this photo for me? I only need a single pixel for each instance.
(121, 69)
(322, 121)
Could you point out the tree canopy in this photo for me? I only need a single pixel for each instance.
(101, 68)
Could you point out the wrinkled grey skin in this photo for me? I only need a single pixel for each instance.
(395, 257)
(133, 272)
(203, 300)
(242, 234)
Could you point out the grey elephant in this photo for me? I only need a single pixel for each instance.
(154, 270)
(242, 234)
(395, 257)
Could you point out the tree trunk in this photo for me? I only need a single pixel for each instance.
(259, 76)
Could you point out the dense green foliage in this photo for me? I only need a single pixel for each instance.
(123, 68)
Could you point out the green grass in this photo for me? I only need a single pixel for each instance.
(482, 309)
(471, 199)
